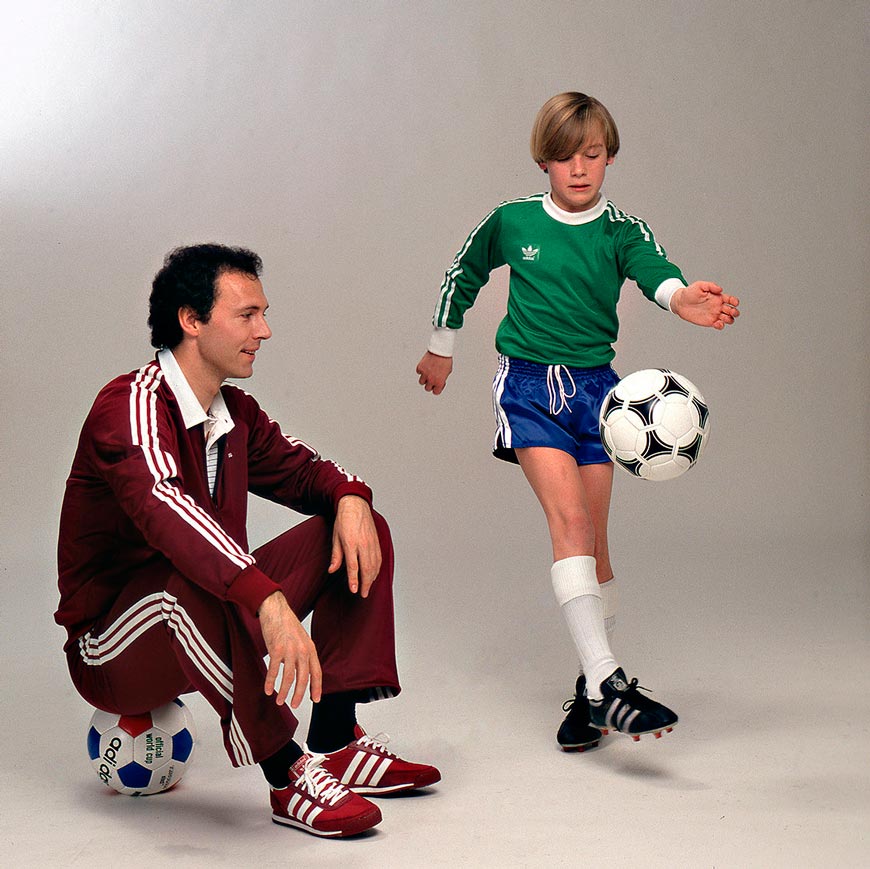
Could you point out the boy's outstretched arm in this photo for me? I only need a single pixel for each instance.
(434, 371)
(705, 304)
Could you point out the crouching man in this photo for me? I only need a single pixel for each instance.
(160, 594)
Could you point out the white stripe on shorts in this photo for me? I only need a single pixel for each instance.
(503, 427)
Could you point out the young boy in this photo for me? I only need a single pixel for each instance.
(569, 252)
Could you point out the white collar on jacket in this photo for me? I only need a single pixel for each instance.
(217, 421)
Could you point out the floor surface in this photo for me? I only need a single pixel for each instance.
(768, 767)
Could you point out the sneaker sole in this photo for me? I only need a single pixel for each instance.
(423, 782)
(354, 827)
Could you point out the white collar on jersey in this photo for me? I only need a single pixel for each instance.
(575, 218)
(217, 421)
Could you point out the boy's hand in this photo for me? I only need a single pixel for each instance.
(434, 371)
(705, 304)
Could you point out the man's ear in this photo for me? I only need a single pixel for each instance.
(189, 321)
(544, 167)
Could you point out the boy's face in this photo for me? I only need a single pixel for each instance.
(576, 181)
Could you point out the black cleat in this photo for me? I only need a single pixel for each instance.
(624, 709)
(575, 733)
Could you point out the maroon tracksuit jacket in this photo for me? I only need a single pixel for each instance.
(154, 569)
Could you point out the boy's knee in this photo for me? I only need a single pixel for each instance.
(573, 525)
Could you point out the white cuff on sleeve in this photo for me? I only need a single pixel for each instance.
(442, 340)
(666, 291)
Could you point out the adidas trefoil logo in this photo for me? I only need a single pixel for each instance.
(530, 253)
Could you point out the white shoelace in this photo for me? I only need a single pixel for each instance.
(377, 742)
(556, 388)
(319, 782)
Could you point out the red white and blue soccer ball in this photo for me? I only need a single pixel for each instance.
(142, 754)
(654, 424)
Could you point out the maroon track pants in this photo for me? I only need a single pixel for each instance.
(166, 636)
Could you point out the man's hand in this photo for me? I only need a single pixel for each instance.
(705, 304)
(287, 643)
(434, 371)
(355, 544)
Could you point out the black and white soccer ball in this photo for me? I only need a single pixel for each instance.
(654, 424)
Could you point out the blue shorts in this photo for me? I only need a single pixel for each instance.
(555, 406)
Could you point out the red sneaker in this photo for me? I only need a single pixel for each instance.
(366, 767)
(315, 802)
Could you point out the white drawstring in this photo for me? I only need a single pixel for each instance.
(556, 388)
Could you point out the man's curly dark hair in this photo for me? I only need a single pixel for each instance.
(188, 279)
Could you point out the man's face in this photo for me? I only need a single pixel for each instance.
(228, 342)
(576, 181)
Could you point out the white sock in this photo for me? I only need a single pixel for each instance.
(609, 597)
(576, 587)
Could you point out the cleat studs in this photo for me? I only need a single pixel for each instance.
(669, 729)
(636, 738)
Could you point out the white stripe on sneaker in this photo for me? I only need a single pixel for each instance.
(379, 772)
(364, 773)
(352, 767)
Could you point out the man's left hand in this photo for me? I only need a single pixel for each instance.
(355, 544)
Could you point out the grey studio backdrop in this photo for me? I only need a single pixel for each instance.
(354, 145)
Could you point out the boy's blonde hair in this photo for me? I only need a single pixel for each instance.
(565, 122)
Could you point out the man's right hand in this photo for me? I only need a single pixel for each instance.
(289, 645)
(434, 371)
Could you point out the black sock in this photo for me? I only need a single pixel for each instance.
(332, 722)
(277, 767)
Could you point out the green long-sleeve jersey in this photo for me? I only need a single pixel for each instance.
(566, 273)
